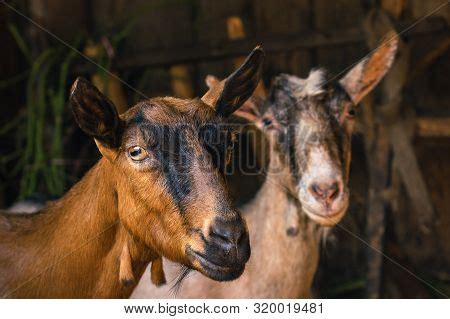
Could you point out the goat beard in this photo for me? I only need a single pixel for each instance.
(183, 273)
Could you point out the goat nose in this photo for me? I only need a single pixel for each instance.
(325, 192)
(225, 233)
(229, 242)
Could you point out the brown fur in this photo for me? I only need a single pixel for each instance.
(286, 272)
(126, 273)
(157, 272)
(101, 199)
(98, 238)
(286, 239)
(70, 249)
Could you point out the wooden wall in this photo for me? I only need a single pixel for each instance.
(298, 35)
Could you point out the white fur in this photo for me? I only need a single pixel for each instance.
(315, 82)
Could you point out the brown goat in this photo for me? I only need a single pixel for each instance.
(157, 191)
(308, 125)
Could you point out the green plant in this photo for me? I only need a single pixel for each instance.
(46, 96)
(39, 157)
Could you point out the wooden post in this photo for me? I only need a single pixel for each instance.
(378, 147)
(411, 175)
(390, 134)
(181, 81)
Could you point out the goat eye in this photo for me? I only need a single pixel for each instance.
(267, 122)
(137, 153)
(351, 112)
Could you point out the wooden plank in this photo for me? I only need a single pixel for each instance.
(211, 24)
(272, 44)
(338, 15)
(181, 81)
(66, 19)
(425, 127)
(395, 8)
(156, 24)
(419, 8)
(275, 19)
(433, 127)
(427, 61)
(377, 25)
(376, 212)
(411, 175)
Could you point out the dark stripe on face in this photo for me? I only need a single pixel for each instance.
(171, 148)
(336, 104)
(217, 141)
(290, 105)
(138, 118)
(176, 157)
(293, 164)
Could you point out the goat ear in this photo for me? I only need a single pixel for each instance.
(95, 114)
(228, 95)
(251, 111)
(211, 81)
(248, 111)
(363, 77)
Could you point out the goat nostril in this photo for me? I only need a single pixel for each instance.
(314, 189)
(219, 236)
(227, 232)
(240, 238)
(325, 192)
(333, 191)
(317, 190)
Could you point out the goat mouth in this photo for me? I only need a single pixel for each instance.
(329, 218)
(212, 270)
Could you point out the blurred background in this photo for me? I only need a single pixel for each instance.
(400, 172)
